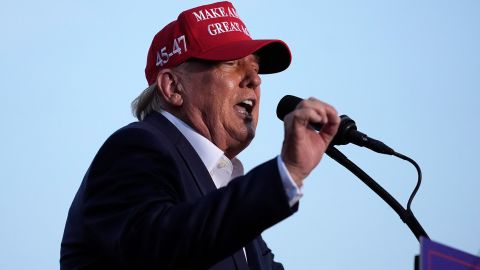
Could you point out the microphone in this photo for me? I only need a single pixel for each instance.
(347, 131)
(287, 104)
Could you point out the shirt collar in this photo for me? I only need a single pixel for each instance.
(209, 153)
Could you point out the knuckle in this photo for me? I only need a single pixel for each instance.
(304, 103)
(298, 113)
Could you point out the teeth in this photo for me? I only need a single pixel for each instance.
(248, 102)
(241, 110)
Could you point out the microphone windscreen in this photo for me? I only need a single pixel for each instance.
(287, 104)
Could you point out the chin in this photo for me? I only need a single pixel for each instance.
(248, 134)
(247, 139)
(240, 142)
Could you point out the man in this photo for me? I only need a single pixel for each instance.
(167, 192)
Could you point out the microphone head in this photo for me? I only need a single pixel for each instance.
(287, 104)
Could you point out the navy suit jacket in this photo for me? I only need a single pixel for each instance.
(148, 202)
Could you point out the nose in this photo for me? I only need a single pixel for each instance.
(251, 79)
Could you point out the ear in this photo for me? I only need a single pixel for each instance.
(168, 88)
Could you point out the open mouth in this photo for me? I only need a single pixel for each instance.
(245, 107)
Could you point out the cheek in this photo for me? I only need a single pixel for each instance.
(230, 85)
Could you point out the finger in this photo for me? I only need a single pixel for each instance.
(324, 110)
(304, 117)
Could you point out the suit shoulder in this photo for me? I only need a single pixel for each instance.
(137, 137)
(138, 133)
(136, 144)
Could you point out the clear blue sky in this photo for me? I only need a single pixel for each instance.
(407, 71)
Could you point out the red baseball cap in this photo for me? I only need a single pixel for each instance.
(212, 32)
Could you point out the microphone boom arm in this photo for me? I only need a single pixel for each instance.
(406, 215)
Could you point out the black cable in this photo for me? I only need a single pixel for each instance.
(419, 180)
(406, 215)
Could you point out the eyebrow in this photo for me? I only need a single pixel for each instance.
(211, 63)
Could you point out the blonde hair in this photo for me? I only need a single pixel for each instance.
(147, 102)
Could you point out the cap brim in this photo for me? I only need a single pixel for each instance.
(274, 55)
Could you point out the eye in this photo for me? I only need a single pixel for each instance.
(230, 63)
(256, 67)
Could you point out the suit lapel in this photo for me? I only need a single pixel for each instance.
(193, 162)
(197, 168)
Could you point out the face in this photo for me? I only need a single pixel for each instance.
(221, 101)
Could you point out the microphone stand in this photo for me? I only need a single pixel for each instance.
(406, 215)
